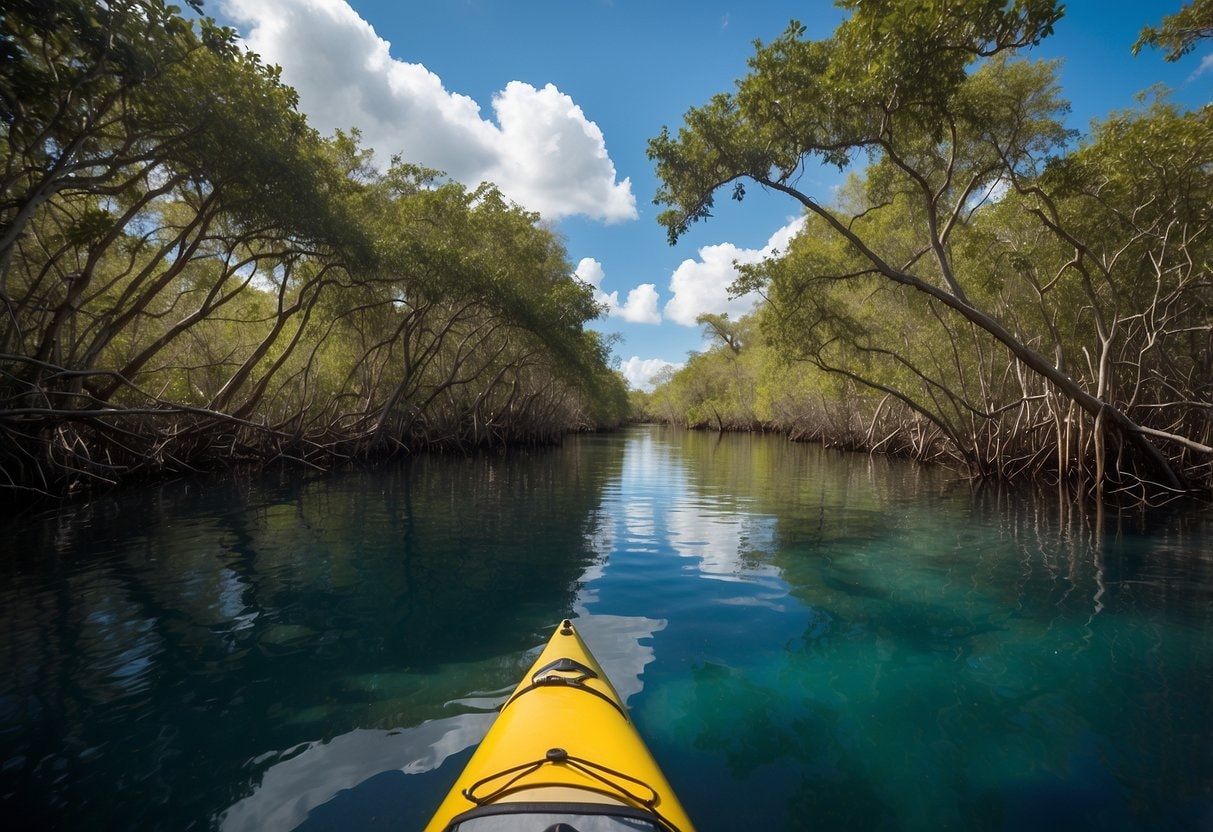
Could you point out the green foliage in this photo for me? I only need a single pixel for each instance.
(982, 290)
(1179, 32)
(717, 388)
(892, 68)
(188, 271)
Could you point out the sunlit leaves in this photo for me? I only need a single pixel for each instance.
(1180, 32)
(980, 271)
(175, 238)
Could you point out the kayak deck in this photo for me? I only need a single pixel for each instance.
(563, 750)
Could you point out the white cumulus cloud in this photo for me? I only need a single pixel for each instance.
(702, 285)
(640, 307)
(552, 155)
(640, 372)
(590, 271)
(542, 150)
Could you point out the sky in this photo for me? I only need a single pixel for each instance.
(555, 100)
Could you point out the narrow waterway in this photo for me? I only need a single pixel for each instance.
(807, 640)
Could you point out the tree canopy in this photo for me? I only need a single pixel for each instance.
(191, 276)
(1179, 32)
(1030, 302)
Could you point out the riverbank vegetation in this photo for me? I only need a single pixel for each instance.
(191, 276)
(989, 288)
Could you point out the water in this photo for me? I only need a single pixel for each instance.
(806, 640)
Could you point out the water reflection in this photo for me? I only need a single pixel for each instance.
(843, 641)
(308, 777)
(298, 782)
(890, 650)
(161, 648)
(668, 508)
(298, 786)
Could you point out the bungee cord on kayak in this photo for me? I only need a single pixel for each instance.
(546, 677)
(555, 759)
(558, 756)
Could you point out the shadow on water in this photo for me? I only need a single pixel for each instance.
(164, 649)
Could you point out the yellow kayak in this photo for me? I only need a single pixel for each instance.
(562, 756)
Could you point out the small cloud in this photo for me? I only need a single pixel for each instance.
(1206, 64)
(640, 306)
(993, 192)
(641, 372)
(1000, 188)
(703, 285)
(724, 21)
(590, 271)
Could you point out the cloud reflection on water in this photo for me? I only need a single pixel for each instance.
(291, 789)
(665, 510)
(309, 776)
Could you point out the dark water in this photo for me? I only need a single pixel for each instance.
(807, 640)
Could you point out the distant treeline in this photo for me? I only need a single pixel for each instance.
(191, 276)
(989, 288)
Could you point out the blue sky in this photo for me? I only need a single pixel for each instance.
(555, 101)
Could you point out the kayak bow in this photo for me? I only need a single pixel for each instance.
(562, 755)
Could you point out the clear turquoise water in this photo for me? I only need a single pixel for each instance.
(806, 640)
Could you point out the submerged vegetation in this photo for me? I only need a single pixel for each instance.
(990, 289)
(190, 275)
